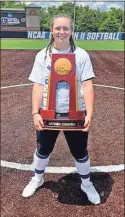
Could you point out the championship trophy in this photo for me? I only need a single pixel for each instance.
(63, 68)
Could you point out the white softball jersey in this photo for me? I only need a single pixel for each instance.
(42, 69)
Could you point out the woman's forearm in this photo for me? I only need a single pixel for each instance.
(88, 94)
(37, 95)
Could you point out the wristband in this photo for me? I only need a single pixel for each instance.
(35, 113)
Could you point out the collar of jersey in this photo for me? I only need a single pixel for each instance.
(56, 51)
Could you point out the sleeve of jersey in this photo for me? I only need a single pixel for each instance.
(37, 73)
(87, 69)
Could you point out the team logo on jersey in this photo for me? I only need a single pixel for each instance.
(60, 84)
(62, 66)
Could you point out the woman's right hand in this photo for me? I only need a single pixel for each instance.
(38, 122)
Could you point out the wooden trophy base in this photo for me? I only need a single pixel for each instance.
(65, 121)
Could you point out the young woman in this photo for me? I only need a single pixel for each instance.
(62, 43)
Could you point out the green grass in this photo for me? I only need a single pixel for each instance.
(85, 44)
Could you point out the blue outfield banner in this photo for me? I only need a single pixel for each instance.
(79, 35)
(12, 34)
(76, 35)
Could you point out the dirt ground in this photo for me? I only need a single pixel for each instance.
(61, 195)
(108, 66)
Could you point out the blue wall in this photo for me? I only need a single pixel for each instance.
(7, 34)
(79, 35)
(76, 36)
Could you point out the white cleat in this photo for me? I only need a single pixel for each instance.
(32, 186)
(91, 193)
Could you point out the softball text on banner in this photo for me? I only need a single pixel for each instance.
(79, 35)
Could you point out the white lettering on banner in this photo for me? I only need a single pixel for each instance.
(97, 35)
(89, 36)
(114, 37)
(110, 36)
(38, 35)
(13, 21)
(43, 35)
(30, 34)
(102, 34)
(82, 35)
(34, 34)
(75, 35)
(93, 37)
(106, 36)
(117, 36)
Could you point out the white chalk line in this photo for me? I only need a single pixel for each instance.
(112, 87)
(64, 170)
(17, 85)
(97, 85)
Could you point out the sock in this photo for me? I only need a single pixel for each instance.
(40, 163)
(83, 167)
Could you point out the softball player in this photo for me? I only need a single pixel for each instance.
(62, 43)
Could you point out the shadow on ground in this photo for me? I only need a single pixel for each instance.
(69, 192)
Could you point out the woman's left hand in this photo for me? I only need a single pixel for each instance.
(87, 124)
